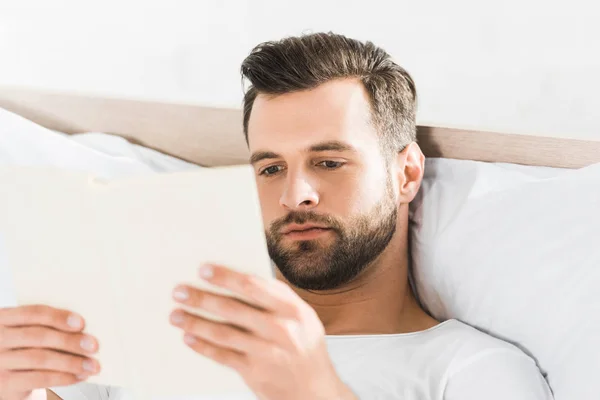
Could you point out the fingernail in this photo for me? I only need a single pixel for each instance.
(177, 318)
(88, 365)
(206, 271)
(81, 377)
(189, 339)
(181, 294)
(88, 344)
(74, 321)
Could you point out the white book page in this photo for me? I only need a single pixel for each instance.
(49, 224)
(113, 251)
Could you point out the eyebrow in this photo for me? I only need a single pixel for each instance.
(263, 155)
(331, 145)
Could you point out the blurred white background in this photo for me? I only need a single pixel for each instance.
(529, 66)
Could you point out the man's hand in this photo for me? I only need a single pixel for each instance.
(273, 339)
(42, 347)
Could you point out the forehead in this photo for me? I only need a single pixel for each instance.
(337, 110)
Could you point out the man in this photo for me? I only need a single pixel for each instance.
(330, 123)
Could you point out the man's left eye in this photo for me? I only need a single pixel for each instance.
(331, 164)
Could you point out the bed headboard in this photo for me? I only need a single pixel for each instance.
(213, 136)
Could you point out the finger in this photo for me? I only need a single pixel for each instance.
(25, 381)
(260, 322)
(42, 315)
(48, 360)
(272, 294)
(44, 337)
(223, 335)
(226, 357)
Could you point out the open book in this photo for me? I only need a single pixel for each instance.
(113, 252)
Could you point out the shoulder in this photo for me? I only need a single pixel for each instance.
(467, 342)
(485, 367)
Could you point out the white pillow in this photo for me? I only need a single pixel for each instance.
(23, 142)
(515, 251)
(117, 146)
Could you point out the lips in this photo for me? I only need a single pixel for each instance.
(299, 228)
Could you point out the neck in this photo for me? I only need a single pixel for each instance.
(378, 301)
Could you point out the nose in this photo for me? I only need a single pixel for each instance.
(299, 194)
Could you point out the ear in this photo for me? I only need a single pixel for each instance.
(410, 168)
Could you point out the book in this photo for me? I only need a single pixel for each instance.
(113, 251)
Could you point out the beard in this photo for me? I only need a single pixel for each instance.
(315, 265)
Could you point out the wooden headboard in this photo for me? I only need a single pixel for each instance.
(213, 136)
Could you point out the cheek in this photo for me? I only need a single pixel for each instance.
(361, 192)
(345, 195)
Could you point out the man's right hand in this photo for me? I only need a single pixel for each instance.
(43, 347)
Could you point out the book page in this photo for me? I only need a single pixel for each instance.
(51, 237)
(114, 251)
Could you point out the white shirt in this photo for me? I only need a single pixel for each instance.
(450, 361)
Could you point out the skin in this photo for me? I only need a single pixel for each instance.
(41, 347)
(275, 339)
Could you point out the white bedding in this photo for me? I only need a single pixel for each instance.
(23, 142)
(472, 259)
(514, 252)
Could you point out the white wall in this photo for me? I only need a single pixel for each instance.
(173, 50)
(529, 66)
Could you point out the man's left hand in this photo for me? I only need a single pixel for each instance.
(273, 339)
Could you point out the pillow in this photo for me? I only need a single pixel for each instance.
(23, 142)
(515, 252)
(117, 146)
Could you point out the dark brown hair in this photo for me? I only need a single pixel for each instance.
(305, 62)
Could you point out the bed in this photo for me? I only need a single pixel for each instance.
(472, 260)
(182, 130)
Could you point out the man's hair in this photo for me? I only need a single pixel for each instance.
(305, 62)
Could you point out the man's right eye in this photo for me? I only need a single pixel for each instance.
(271, 170)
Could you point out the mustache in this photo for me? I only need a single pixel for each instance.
(304, 217)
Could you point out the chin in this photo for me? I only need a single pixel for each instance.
(301, 246)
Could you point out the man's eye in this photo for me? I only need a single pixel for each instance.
(273, 169)
(331, 164)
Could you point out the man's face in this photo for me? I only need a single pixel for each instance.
(327, 198)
